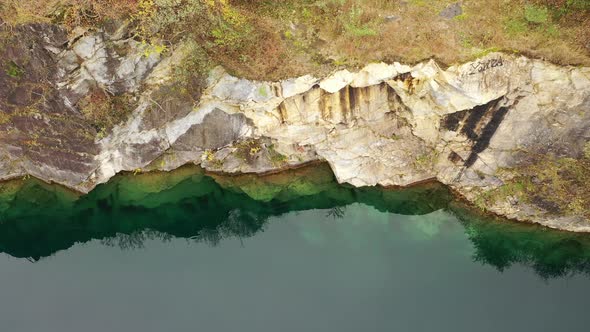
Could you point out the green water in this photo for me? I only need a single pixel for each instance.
(297, 252)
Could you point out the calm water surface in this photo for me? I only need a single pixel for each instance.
(188, 252)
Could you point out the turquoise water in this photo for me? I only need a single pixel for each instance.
(189, 252)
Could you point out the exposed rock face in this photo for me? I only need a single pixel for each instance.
(40, 134)
(44, 75)
(389, 125)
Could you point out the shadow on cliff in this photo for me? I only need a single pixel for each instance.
(38, 220)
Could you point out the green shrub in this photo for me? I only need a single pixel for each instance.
(4, 118)
(354, 25)
(167, 17)
(13, 70)
(536, 14)
(578, 5)
(571, 7)
(190, 73)
(515, 26)
(103, 111)
(276, 157)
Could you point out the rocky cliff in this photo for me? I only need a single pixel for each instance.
(507, 132)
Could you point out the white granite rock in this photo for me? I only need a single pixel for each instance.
(389, 125)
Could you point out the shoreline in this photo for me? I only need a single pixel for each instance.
(311, 167)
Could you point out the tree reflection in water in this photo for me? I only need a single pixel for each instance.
(38, 220)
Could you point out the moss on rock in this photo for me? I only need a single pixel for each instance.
(558, 186)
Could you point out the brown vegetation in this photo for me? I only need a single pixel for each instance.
(278, 39)
(71, 13)
(557, 185)
(103, 111)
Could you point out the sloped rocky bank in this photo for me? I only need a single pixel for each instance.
(483, 128)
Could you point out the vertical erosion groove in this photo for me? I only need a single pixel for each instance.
(282, 112)
(393, 100)
(324, 105)
(487, 133)
(345, 104)
(477, 119)
(453, 121)
(353, 101)
(479, 124)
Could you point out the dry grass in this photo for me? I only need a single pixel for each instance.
(68, 12)
(556, 185)
(103, 111)
(285, 38)
(421, 33)
(268, 57)
(324, 27)
(561, 183)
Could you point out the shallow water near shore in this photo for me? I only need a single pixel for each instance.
(284, 252)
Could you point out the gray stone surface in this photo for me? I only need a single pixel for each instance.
(392, 18)
(387, 124)
(452, 11)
